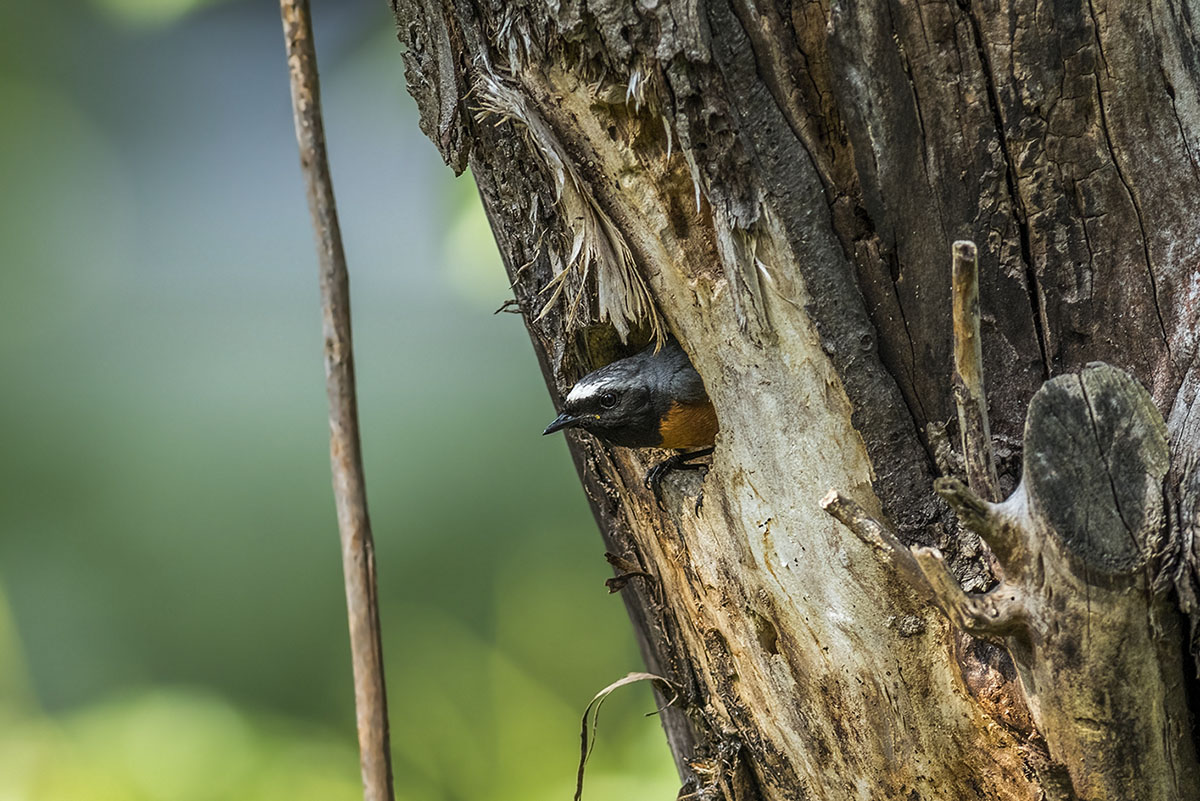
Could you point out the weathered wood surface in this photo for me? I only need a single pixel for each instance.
(1081, 543)
(778, 184)
(1081, 605)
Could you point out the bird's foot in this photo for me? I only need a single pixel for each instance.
(680, 461)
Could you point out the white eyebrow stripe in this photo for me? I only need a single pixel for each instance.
(581, 390)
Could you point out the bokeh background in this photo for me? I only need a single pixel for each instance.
(172, 622)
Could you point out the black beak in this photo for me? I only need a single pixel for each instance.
(564, 420)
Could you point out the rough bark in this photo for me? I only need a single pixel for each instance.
(778, 184)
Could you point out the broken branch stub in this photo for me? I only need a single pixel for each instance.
(1097, 651)
(969, 396)
(1097, 648)
(1095, 459)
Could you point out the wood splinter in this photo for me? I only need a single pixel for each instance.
(969, 395)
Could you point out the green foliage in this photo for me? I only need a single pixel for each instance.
(176, 627)
(150, 12)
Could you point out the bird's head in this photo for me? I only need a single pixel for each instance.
(616, 403)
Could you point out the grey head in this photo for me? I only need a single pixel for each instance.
(625, 402)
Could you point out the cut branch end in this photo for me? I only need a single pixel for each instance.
(850, 514)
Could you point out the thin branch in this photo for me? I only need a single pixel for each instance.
(968, 373)
(999, 533)
(887, 546)
(349, 487)
(998, 611)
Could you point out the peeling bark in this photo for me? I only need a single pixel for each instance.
(778, 185)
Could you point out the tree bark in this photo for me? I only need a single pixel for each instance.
(778, 185)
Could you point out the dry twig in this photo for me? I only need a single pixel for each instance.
(349, 487)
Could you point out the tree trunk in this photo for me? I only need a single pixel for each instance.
(778, 186)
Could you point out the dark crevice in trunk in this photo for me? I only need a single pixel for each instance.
(1020, 213)
(1116, 162)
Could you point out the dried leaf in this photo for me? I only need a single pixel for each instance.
(593, 711)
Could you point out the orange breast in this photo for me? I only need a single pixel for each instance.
(689, 425)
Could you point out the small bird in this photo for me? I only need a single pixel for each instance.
(648, 400)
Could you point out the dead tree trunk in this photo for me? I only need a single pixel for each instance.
(778, 185)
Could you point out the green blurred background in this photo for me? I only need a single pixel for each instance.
(172, 622)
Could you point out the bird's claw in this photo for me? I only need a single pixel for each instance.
(678, 461)
(655, 475)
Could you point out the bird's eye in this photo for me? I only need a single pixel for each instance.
(608, 400)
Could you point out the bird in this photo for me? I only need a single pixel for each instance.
(653, 399)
